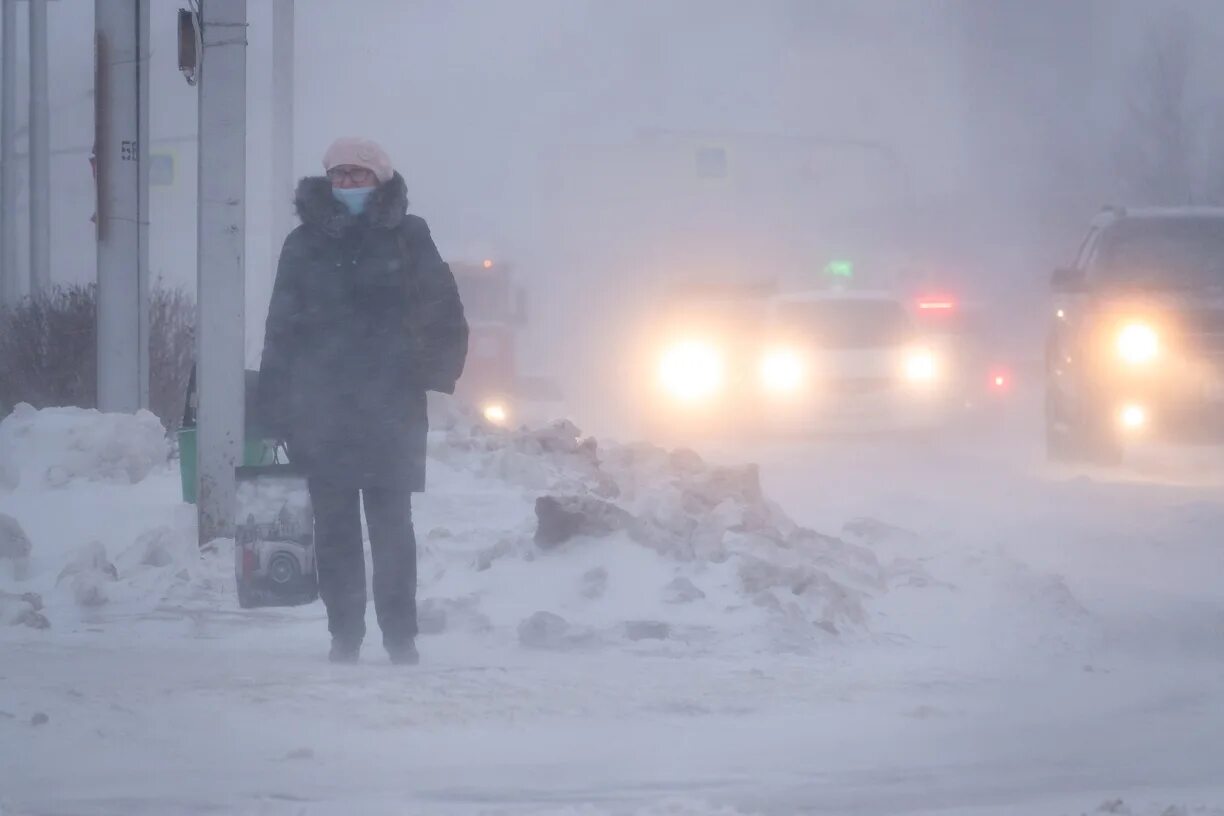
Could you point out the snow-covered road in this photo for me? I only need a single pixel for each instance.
(1051, 641)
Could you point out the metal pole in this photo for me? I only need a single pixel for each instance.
(10, 288)
(221, 284)
(282, 123)
(121, 30)
(144, 79)
(40, 149)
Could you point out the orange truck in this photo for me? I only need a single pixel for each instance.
(493, 380)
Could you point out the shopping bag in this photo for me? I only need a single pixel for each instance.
(274, 556)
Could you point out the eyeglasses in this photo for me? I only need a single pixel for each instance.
(352, 175)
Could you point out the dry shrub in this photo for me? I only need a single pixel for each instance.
(48, 350)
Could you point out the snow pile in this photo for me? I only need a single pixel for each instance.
(547, 630)
(671, 806)
(22, 610)
(163, 569)
(1123, 808)
(706, 525)
(542, 537)
(56, 446)
(89, 574)
(197, 580)
(10, 477)
(15, 547)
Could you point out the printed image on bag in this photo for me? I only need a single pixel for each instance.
(274, 556)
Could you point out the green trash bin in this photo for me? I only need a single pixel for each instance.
(257, 450)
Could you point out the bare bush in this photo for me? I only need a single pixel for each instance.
(48, 350)
(172, 315)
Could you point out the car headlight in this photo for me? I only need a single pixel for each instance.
(1138, 343)
(495, 413)
(1133, 417)
(692, 370)
(921, 366)
(782, 371)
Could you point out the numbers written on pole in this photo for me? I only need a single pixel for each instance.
(129, 150)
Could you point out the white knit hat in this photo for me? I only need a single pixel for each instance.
(359, 153)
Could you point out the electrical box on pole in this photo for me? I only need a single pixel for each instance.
(221, 283)
(121, 144)
(188, 44)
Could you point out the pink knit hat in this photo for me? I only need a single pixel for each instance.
(360, 153)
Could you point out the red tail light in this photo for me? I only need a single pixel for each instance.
(934, 303)
(1000, 380)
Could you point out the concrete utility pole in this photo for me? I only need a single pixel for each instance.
(282, 124)
(40, 152)
(121, 29)
(10, 288)
(221, 293)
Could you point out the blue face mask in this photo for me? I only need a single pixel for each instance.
(353, 198)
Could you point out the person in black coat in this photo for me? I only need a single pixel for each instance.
(365, 318)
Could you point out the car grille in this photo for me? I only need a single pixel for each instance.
(860, 385)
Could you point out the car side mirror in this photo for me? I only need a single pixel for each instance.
(1068, 280)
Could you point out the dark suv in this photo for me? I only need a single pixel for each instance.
(1136, 345)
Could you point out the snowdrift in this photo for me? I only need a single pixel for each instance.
(55, 446)
(543, 536)
(696, 548)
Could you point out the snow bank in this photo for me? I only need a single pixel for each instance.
(89, 574)
(702, 539)
(94, 525)
(22, 610)
(15, 547)
(55, 446)
(671, 806)
(1123, 808)
(541, 537)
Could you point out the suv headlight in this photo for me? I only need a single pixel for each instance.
(1137, 343)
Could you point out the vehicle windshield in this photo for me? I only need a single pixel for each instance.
(849, 323)
(1179, 253)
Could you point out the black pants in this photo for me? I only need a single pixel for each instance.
(341, 560)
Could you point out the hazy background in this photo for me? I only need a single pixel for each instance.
(605, 147)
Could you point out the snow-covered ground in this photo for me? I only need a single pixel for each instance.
(911, 626)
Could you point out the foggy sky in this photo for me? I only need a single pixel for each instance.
(519, 129)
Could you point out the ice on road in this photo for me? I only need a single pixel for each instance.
(1034, 641)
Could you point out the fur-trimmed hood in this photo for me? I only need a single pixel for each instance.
(318, 208)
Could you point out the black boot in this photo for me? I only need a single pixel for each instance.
(404, 654)
(343, 651)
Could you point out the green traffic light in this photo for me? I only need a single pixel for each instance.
(839, 269)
